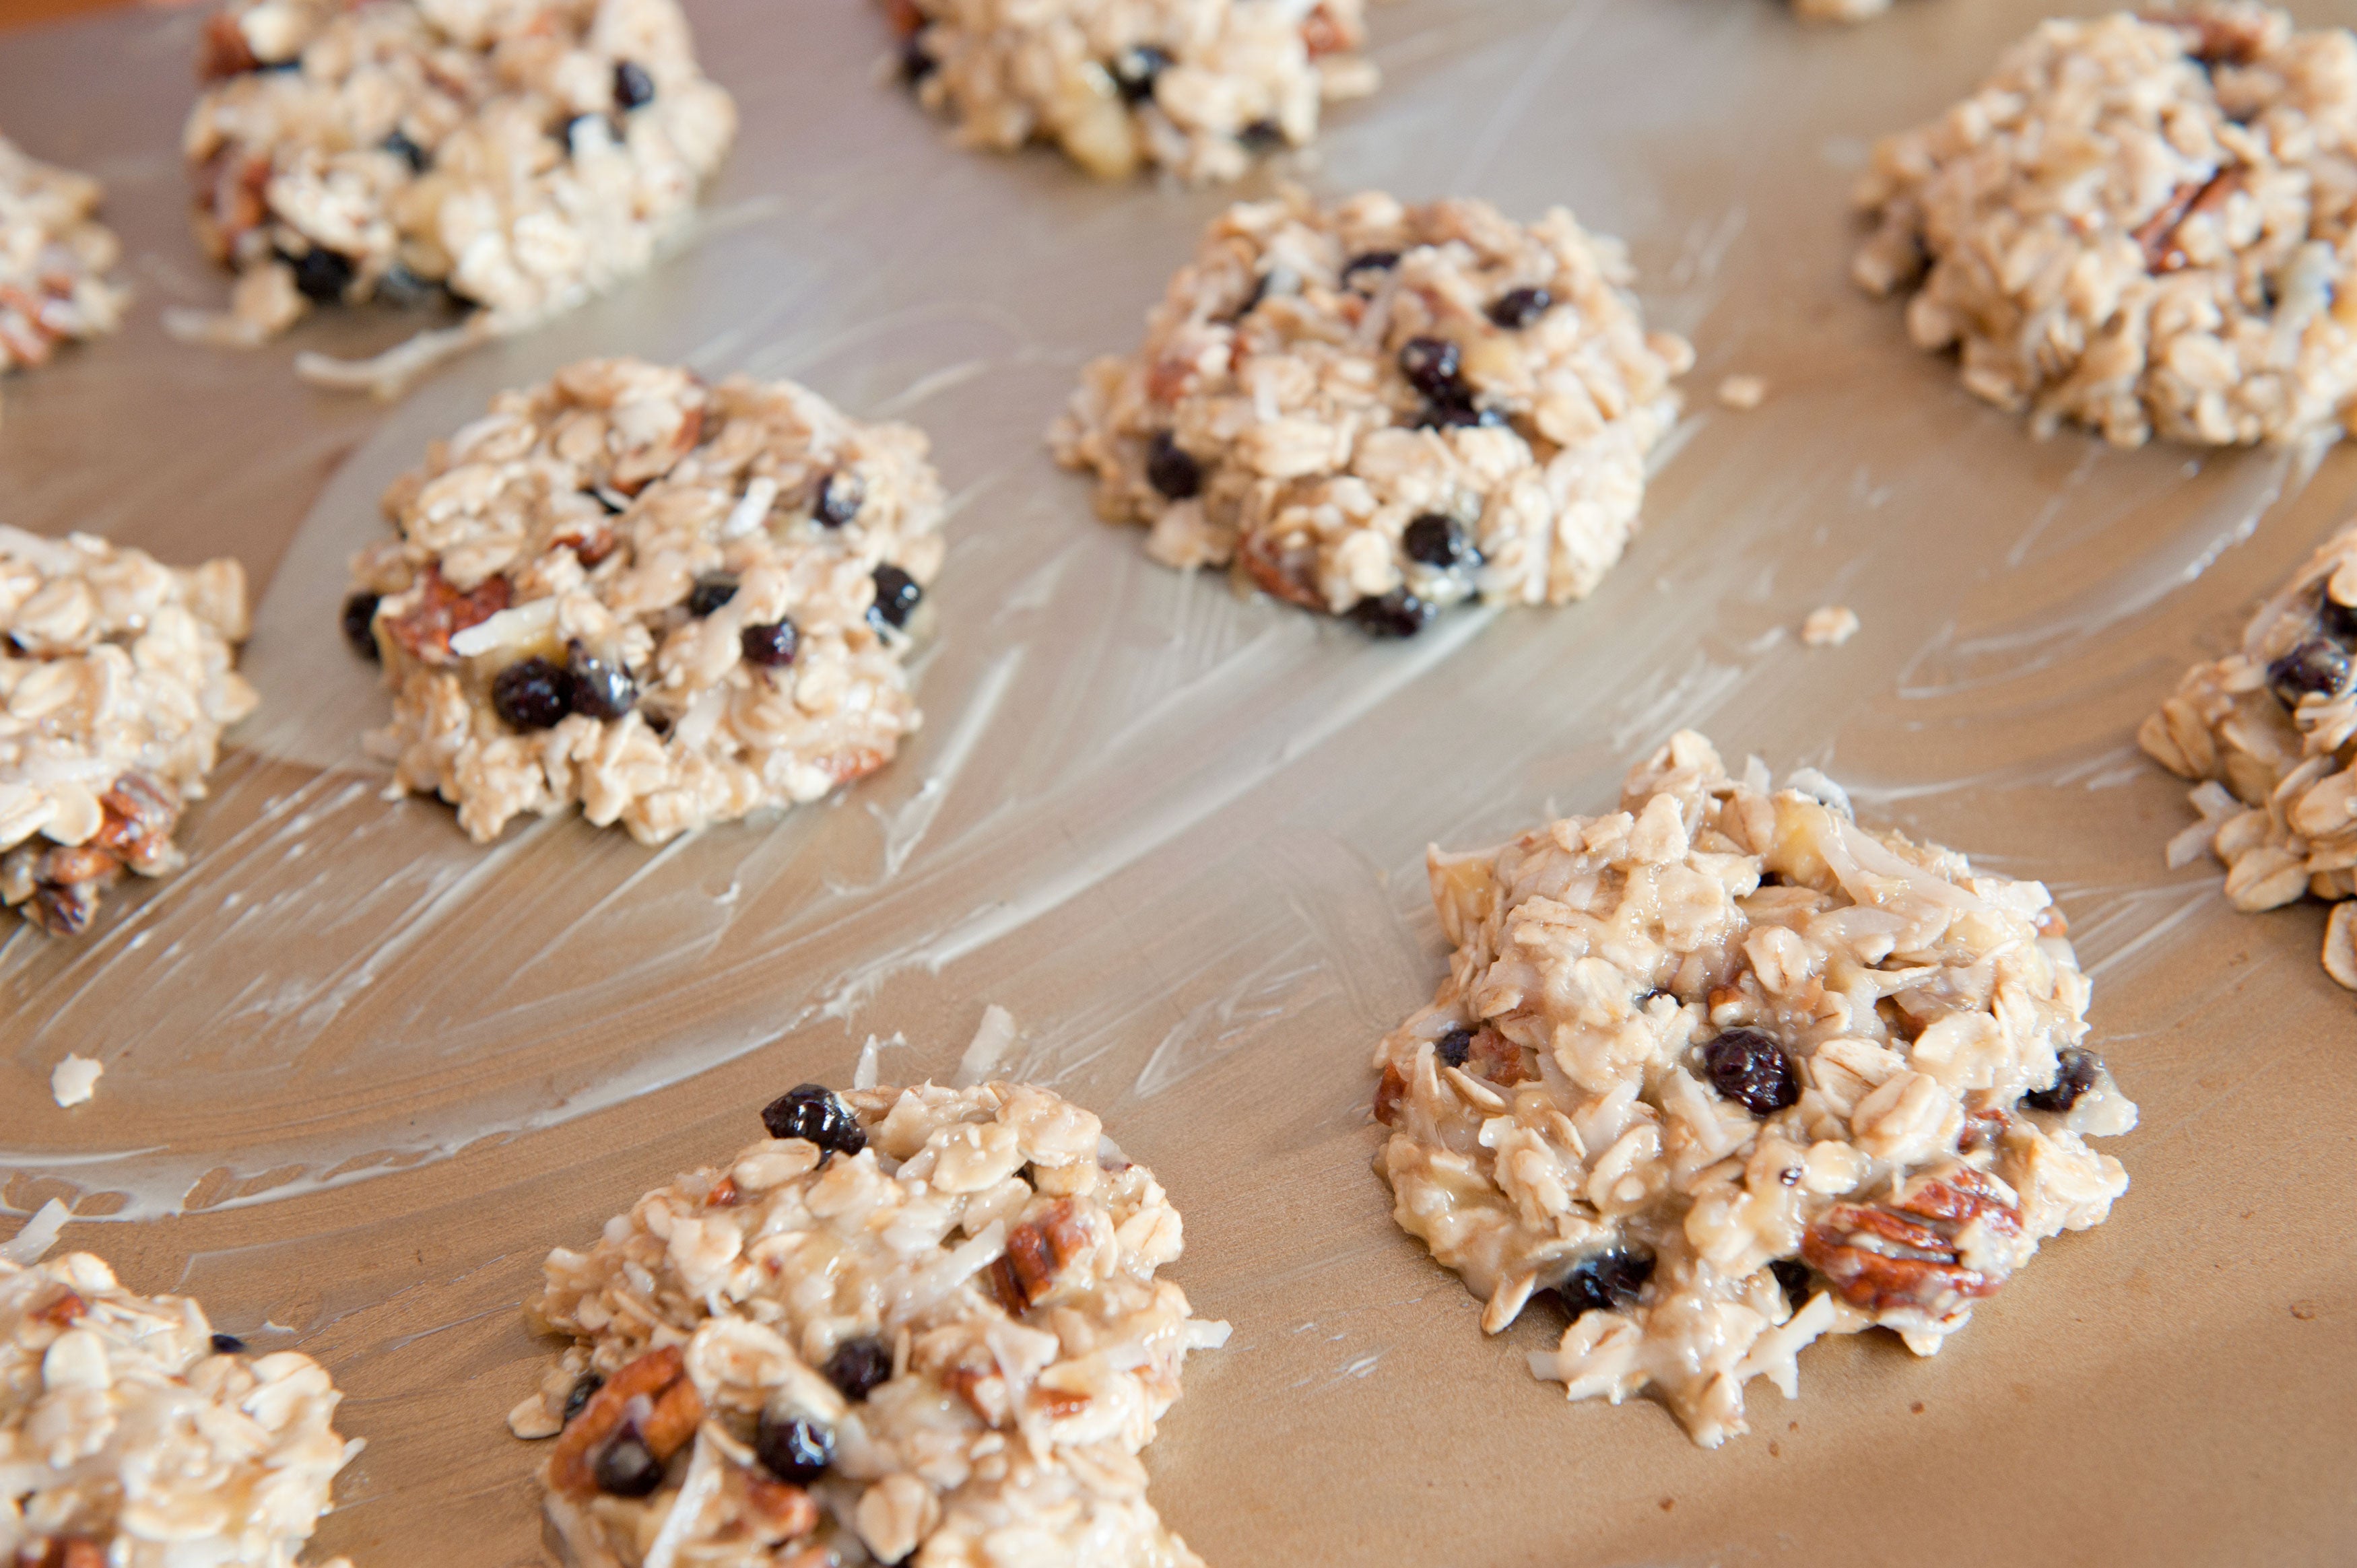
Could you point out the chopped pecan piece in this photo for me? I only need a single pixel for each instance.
(1321, 34)
(63, 1309)
(1390, 1093)
(62, 1552)
(2219, 37)
(140, 813)
(650, 1396)
(723, 1195)
(57, 887)
(425, 627)
(2158, 237)
(1289, 575)
(905, 19)
(1036, 1252)
(785, 1510)
(221, 49)
(1904, 1255)
(852, 762)
(230, 204)
(1497, 1059)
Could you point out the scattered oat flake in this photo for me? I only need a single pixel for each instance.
(1743, 392)
(75, 1080)
(1829, 626)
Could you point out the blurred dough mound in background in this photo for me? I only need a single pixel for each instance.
(1376, 410)
(54, 255)
(2140, 223)
(1724, 1071)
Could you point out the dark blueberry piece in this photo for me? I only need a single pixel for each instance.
(795, 1449)
(2073, 1076)
(1371, 262)
(1396, 614)
(840, 497)
(771, 646)
(1170, 470)
(1435, 540)
(1457, 415)
(1456, 1046)
(627, 1468)
(897, 596)
(584, 1386)
(322, 274)
(1605, 1282)
(1793, 1275)
(1430, 365)
(404, 290)
(360, 626)
(1750, 1067)
(409, 152)
(2315, 665)
(2338, 619)
(1262, 136)
(228, 1344)
(633, 86)
(916, 62)
(600, 690)
(712, 590)
(810, 1111)
(857, 1366)
(1133, 71)
(1518, 307)
(531, 693)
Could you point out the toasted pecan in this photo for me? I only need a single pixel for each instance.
(425, 627)
(1388, 1093)
(667, 1410)
(1904, 1255)
(1037, 1251)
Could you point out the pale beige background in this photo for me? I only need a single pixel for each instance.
(361, 1075)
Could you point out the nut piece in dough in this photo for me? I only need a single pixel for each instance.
(54, 255)
(672, 604)
(2183, 271)
(1723, 1071)
(116, 675)
(1376, 410)
(928, 1323)
(1829, 626)
(130, 1432)
(1200, 88)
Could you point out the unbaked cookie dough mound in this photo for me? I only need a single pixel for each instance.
(2141, 224)
(1198, 87)
(116, 681)
(911, 1326)
(133, 1437)
(54, 257)
(1723, 1071)
(672, 604)
(2269, 732)
(518, 154)
(1377, 409)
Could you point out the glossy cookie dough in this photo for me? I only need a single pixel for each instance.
(54, 257)
(2140, 223)
(1376, 410)
(669, 603)
(520, 155)
(1198, 87)
(133, 1437)
(911, 1326)
(1723, 1071)
(116, 679)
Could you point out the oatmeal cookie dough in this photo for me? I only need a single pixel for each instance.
(2141, 224)
(520, 155)
(116, 681)
(54, 257)
(670, 603)
(1723, 1071)
(911, 1326)
(1198, 87)
(133, 1437)
(1839, 10)
(1377, 409)
(2269, 732)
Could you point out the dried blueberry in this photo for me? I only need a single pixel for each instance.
(531, 693)
(1518, 307)
(584, 1388)
(857, 1366)
(793, 1448)
(712, 590)
(1368, 261)
(840, 497)
(409, 152)
(1262, 136)
(228, 1344)
(406, 290)
(1435, 540)
(897, 596)
(1793, 1275)
(1457, 415)
(322, 274)
(1170, 470)
(2338, 619)
(811, 1112)
(2316, 665)
(1134, 71)
(1396, 614)
(1455, 1047)
(1605, 1282)
(360, 625)
(633, 86)
(600, 690)
(916, 61)
(627, 1468)
(2075, 1074)
(1431, 367)
(1750, 1067)
(770, 645)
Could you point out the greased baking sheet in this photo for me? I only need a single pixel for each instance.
(360, 1074)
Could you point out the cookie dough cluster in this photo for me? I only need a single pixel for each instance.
(1200, 88)
(132, 1435)
(54, 257)
(912, 1325)
(516, 156)
(116, 679)
(2141, 224)
(1375, 410)
(1724, 1071)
